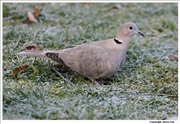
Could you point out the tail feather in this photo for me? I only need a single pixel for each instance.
(36, 53)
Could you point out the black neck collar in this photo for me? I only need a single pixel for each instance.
(117, 41)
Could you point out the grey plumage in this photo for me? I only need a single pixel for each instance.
(94, 60)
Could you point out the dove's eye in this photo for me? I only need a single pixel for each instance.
(130, 28)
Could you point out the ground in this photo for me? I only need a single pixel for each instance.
(145, 89)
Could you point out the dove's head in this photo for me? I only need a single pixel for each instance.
(129, 29)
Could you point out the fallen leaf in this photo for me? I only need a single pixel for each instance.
(36, 11)
(117, 6)
(65, 39)
(160, 30)
(87, 3)
(26, 21)
(6, 66)
(172, 56)
(33, 47)
(31, 17)
(18, 69)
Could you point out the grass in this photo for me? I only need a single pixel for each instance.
(145, 89)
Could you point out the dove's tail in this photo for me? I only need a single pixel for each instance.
(41, 54)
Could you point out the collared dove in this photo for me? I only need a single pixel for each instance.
(94, 60)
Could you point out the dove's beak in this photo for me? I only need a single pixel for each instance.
(140, 33)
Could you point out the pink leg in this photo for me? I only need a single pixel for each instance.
(95, 82)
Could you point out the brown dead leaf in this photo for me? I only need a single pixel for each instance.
(36, 11)
(31, 17)
(87, 3)
(33, 47)
(6, 66)
(117, 6)
(172, 56)
(65, 39)
(160, 30)
(26, 21)
(18, 69)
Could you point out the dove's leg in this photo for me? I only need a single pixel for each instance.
(95, 82)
